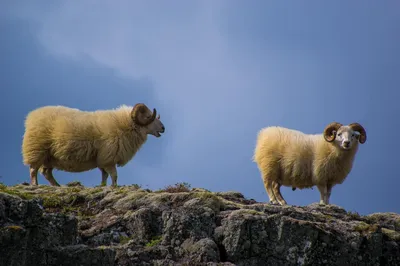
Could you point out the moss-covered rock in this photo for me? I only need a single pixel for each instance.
(180, 225)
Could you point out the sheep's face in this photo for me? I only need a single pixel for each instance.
(346, 137)
(147, 119)
(156, 127)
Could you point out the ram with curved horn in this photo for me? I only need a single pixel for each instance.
(287, 157)
(71, 140)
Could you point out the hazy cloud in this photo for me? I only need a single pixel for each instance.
(221, 70)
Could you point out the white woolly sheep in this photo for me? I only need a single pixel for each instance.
(71, 140)
(287, 157)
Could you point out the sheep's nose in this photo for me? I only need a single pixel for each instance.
(163, 128)
(346, 143)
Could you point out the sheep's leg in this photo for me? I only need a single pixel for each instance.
(268, 188)
(328, 194)
(112, 171)
(323, 190)
(33, 174)
(276, 188)
(48, 174)
(104, 176)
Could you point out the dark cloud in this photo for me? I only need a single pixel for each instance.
(218, 73)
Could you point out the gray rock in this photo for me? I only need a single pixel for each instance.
(74, 225)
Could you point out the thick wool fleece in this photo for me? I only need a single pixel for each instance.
(75, 141)
(292, 158)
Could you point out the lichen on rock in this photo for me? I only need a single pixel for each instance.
(128, 225)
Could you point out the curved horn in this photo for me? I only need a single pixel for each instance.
(138, 111)
(359, 128)
(153, 117)
(330, 131)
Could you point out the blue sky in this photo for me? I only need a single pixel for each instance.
(217, 72)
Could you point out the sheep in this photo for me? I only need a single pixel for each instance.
(71, 140)
(288, 157)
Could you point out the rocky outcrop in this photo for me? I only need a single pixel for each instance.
(74, 225)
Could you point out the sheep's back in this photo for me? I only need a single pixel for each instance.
(60, 132)
(93, 137)
(285, 153)
(74, 140)
(74, 137)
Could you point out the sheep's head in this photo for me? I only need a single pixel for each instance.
(345, 136)
(144, 117)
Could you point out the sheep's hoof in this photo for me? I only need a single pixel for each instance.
(271, 202)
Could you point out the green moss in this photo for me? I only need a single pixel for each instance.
(210, 199)
(391, 234)
(366, 228)
(68, 209)
(397, 223)
(21, 194)
(155, 241)
(96, 190)
(137, 195)
(162, 199)
(121, 191)
(361, 227)
(74, 184)
(124, 239)
(52, 201)
(77, 211)
(373, 218)
(75, 199)
(74, 189)
(206, 195)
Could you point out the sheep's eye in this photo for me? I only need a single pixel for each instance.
(339, 134)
